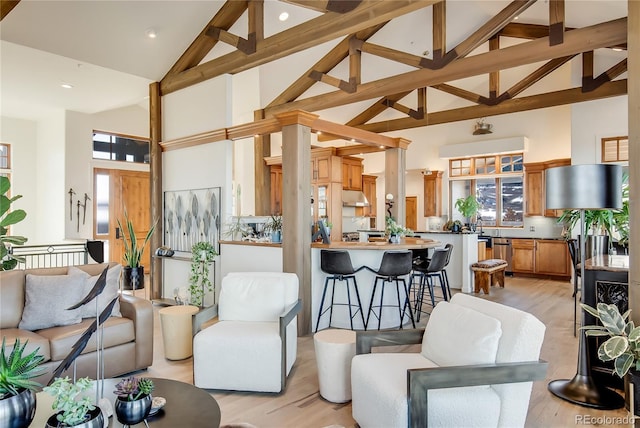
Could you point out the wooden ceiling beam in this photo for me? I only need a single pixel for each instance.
(494, 76)
(324, 65)
(357, 149)
(377, 108)
(533, 102)
(556, 22)
(587, 68)
(246, 46)
(200, 47)
(350, 133)
(462, 93)
(576, 41)
(534, 77)
(311, 33)
(333, 81)
(415, 114)
(486, 31)
(396, 55)
(607, 76)
(7, 6)
(338, 6)
(256, 19)
(439, 21)
(519, 30)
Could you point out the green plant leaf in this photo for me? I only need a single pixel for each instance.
(623, 364)
(613, 348)
(611, 318)
(634, 335)
(590, 310)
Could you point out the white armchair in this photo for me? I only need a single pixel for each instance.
(253, 346)
(476, 368)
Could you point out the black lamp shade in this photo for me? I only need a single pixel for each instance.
(589, 187)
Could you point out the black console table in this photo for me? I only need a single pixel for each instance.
(606, 281)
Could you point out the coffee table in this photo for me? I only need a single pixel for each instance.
(187, 406)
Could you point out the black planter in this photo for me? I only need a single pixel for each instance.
(133, 412)
(96, 420)
(18, 411)
(133, 278)
(632, 379)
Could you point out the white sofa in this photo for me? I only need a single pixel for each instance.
(253, 345)
(467, 341)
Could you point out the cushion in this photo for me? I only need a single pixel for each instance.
(32, 341)
(11, 297)
(108, 294)
(46, 300)
(459, 336)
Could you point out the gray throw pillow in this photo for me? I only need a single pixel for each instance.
(108, 294)
(46, 300)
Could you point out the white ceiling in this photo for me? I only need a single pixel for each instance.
(101, 47)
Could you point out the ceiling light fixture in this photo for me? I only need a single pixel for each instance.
(482, 128)
(283, 16)
(151, 33)
(617, 49)
(66, 85)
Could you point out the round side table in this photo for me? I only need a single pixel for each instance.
(334, 352)
(177, 331)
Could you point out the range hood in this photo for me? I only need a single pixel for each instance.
(354, 198)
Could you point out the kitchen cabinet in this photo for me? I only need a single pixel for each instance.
(351, 173)
(321, 168)
(433, 194)
(535, 192)
(276, 189)
(541, 257)
(369, 190)
(523, 255)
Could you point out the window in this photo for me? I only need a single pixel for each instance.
(5, 160)
(120, 148)
(497, 181)
(615, 149)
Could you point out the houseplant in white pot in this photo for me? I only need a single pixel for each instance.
(469, 207)
(202, 255)
(17, 396)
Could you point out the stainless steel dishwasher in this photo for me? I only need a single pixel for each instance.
(502, 250)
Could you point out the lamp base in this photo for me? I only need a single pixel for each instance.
(583, 391)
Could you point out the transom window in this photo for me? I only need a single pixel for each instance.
(497, 181)
(5, 156)
(615, 149)
(120, 148)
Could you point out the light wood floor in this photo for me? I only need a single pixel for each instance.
(301, 406)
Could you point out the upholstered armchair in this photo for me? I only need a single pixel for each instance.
(475, 368)
(253, 345)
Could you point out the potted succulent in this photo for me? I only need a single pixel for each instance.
(469, 207)
(17, 396)
(622, 346)
(133, 399)
(73, 407)
(133, 271)
(202, 255)
(7, 260)
(395, 231)
(274, 225)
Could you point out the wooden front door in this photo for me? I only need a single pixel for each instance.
(128, 190)
(411, 209)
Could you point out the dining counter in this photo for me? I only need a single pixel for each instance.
(405, 244)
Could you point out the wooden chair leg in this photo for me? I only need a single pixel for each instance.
(500, 277)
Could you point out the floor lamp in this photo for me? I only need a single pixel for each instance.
(584, 187)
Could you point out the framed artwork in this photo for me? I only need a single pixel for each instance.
(191, 216)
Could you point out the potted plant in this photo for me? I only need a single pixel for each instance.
(274, 225)
(236, 230)
(395, 231)
(469, 207)
(133, 271)
(17, 396)
(73, 407)
(202, 255)
(7, 218)
(622, 346)
(133, 399)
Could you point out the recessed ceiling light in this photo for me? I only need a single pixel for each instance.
(151, 33)
(617, 49)
(353, 140)
(319, 132)
(382, 147)
(516, 18)
(67, 86)
(283, 16)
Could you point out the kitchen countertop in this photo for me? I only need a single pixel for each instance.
(405, 244)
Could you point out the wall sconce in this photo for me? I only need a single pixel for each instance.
(389, 203)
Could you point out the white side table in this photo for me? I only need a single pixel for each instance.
(334, 351)
(177, 331)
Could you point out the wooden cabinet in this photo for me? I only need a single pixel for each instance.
(523, 255)
(351, 173)
(535, 192)
(541, 257)
(321, 169)
(433, 194)
(276, 189)
(552, 257)
(369, 190)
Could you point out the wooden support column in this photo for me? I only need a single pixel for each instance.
(155, 165)
(394, 181)
(262, 178)
(296, 214)
(633, 57)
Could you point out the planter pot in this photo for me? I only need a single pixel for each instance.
(276, 237)
(632, 380)
(394, 239)
(18, 411)
(133, 412)
(96, 420)
(133, 278)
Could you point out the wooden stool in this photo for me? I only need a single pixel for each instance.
(487, 272)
